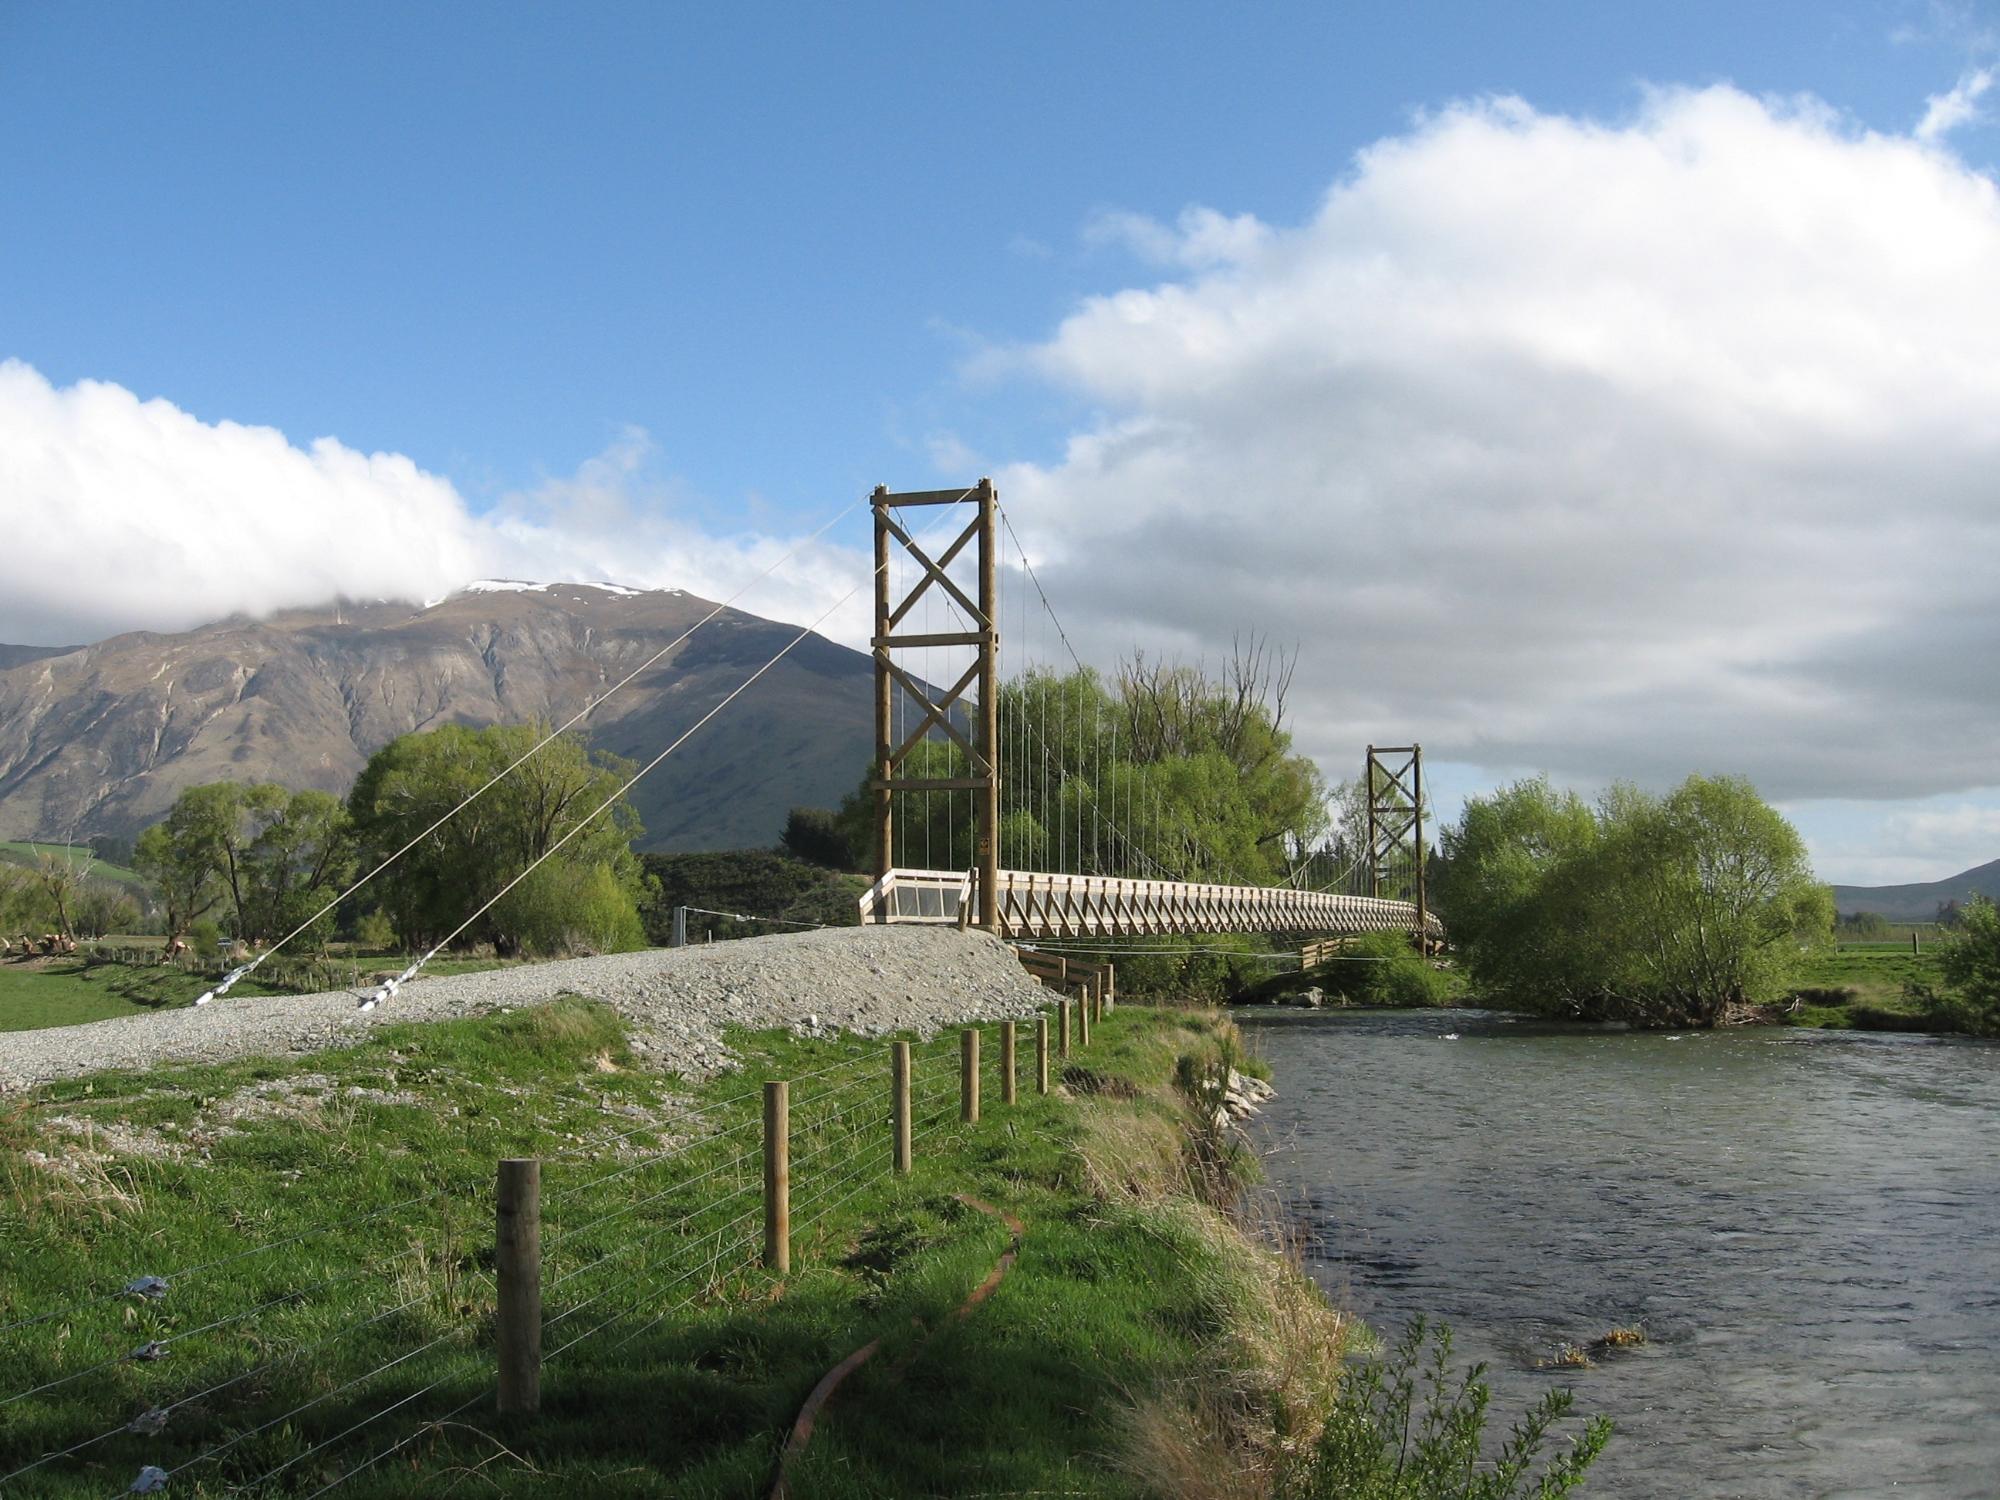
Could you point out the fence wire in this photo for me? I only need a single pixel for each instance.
(628, 1246)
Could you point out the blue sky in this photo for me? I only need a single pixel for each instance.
(739, 264)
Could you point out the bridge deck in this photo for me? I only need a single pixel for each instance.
(1035, 905)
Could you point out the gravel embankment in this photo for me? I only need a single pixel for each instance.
(868, 980)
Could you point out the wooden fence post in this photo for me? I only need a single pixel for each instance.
(778, 1176)
(900, 1070)
(1062, 1028)
(1041, 1054)
(1083, 1018)
(968, 1075)
(517, 1259)
(1006, 1062)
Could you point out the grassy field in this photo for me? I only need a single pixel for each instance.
(1860, 986)
(68, 992)
(325, 1228)
(14, 852)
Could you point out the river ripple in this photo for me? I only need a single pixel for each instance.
(1807, 1224)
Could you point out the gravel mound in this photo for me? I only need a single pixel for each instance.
(867, 980)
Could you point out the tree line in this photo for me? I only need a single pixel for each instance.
(264, 861)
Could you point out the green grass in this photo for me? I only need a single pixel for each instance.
(15, 852)
(1860, 986)
(68, 992)
(693, 1359)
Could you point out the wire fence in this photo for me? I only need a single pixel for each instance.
(293, 1365)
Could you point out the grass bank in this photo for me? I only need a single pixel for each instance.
(1861, 987)
(324, 1230)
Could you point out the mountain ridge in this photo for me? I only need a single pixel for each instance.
(1919, 900)
(99, 739)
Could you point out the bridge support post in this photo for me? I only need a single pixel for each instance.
(943, 710)
(885, 702)
(1394, 781)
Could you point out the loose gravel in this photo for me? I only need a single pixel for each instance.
(865, 980)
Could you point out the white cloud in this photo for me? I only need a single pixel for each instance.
(121, 514)
(1620, 448)
(1199, 239)
(1946, 112)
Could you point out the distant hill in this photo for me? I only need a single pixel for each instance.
(99, 740)
(1919, 903)
(20, 656)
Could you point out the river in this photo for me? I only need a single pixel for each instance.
(1806, 1224)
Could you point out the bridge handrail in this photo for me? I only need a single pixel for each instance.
(1033, 902)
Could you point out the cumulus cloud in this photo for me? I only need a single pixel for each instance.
(1619, 448)
(120, 513)
(1959, 105)
(123, 514)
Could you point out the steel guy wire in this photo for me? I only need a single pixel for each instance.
(390, 987)
(589, 708)
(737, 916)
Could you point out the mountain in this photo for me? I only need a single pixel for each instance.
(100, 739)
(1919, 903)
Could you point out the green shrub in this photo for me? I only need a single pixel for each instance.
(1407, 1429)
(571, 909)
(375, 932)
(1384, 969)
(1969, 998)
(205, 938)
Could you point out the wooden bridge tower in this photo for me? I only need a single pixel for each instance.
(1395, 784)
(982, 751)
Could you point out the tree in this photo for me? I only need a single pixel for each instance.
(1173, 774)
(270, 855)
(816, 836)
(180, 855)
(1969, 999)
(1661, 911)
(60, 874)
(296, 850)
(101, 908)
(565, 799)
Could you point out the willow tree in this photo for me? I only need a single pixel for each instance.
(1657, 910)
(562, 807)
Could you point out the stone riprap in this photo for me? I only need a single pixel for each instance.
(864, 980)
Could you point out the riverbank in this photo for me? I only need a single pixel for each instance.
(1851, 987)
(323, 1229)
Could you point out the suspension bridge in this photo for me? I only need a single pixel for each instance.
(1047, 830)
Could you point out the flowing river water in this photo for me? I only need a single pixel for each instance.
(1806, 1225)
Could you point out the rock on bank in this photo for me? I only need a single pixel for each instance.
(869, 980)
